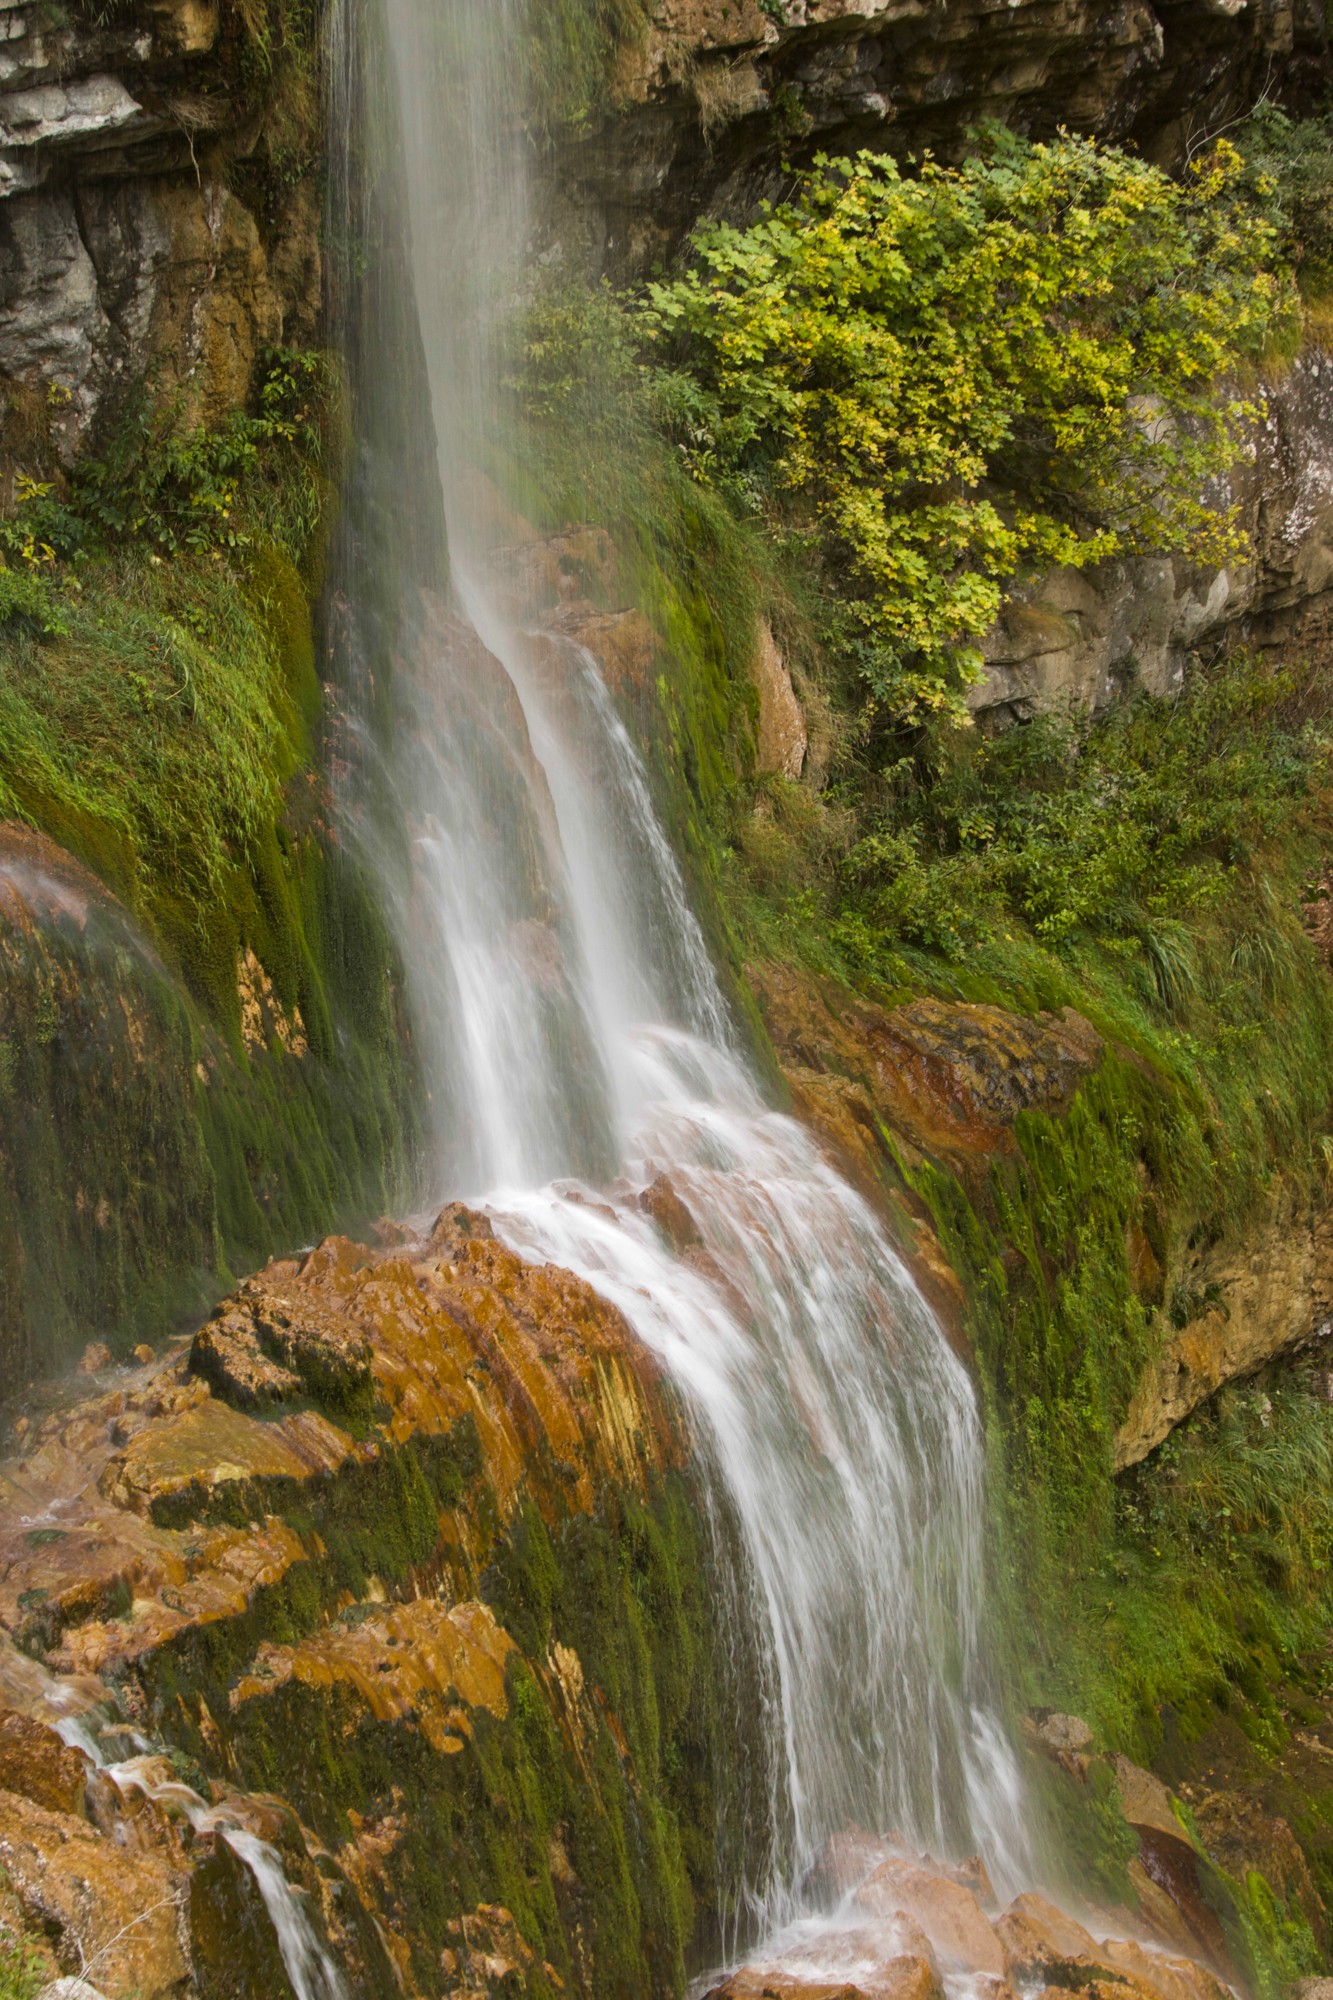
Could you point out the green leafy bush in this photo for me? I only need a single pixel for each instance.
(1120, 834)
(942, 381)
(179, 488)
(1289, 175)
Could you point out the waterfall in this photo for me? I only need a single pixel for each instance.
(580, 1055)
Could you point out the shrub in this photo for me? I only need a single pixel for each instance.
(942, 381)
(1289, 175)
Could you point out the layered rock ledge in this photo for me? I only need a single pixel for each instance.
(398, 1557)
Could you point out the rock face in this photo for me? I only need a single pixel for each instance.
(126, 251)
(943, 1077)
(404, 1538)
(1077, 640)
(945, 1081)
(717, 94)
(1241, 1305)
(783, 738)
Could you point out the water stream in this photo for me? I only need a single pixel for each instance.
(580, 1053)
(310, 1966)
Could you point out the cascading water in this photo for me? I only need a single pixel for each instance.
(310, 1967)
(576, 1035)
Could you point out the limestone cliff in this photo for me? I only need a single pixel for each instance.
(158, 208)
(714, 96)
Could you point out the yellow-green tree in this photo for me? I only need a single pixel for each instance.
(948, 377)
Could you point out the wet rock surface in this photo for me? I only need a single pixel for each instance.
(943, 1081)
(355, 1623)
(911, 1928)
(325, 1593)
(945, 1077)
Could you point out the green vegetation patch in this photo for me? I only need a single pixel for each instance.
(162, 718)
(940, 381)
(896, 397)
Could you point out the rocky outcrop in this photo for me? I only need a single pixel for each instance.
(1235, 1307)
(783, 740)
(716, 96)
(933, 1077)
(915, 1922)
(1076, 640)
(934, 1082)
(158, 220)
(446, 1596)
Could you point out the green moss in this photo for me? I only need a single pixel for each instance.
(593, 1825)
(568, 50)
(170, 734)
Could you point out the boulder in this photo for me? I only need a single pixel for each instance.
(113, 1909)
(1041, 1943)
(949, 1914)
(259, 1348)
(1056, 1735)
(1174, 1978)
(227, 1355)
(902, 1978)
(662, 1202)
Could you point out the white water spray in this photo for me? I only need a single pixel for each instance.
(576, 1029)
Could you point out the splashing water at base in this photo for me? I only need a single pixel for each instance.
(837, 1432)
(843, 1432)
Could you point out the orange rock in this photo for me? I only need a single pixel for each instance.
(1104, 1983)
(211, 1446)
(1039, 1940)
(881, 1956)
(226, 1354)
(96, 1356)
(949, 1078)
(902, 1978)
(111, 1907)
(422, 1663)
(849, 1857)
(972, 1874)
(661, 1201)
(1145, 1800)
(1173, 1978)
(35, 1763)
(949, 1914)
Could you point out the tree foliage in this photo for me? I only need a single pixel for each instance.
(945, 379)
